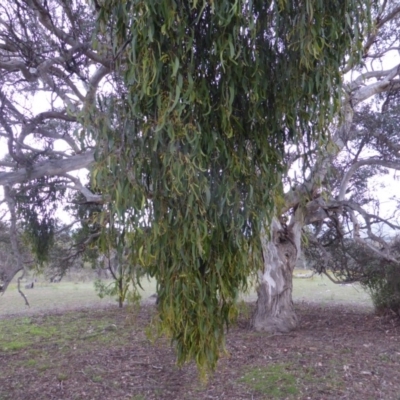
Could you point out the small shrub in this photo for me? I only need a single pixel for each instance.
(350, 261)
(383, 284)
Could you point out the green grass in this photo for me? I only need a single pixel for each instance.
(289, 380)
(14, 345)
(274, 381)
(44, 367)
(42, 345)
(76, 330)
(20, 333)
(97, 379)
(30, 363)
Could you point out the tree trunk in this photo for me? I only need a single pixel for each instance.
(120, 293)
(274, 311)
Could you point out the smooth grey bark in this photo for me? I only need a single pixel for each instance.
(48, 168)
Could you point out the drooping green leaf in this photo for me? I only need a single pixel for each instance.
(214, 91)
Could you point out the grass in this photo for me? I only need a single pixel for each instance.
(62, 376)
(319, 289)
(31, 363)
(66, 331)
(14, 345)
(92, 351)
(20, 333)
(43, 367)
(288, 380)
(47, 344)
(57, 297)
(274, 381)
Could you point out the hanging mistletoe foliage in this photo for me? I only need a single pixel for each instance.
(36, 205)
(191, 155)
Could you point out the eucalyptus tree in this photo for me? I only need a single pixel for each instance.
(215, 93)
(189, 115)
(50, 75)
(359, 240)
(331, 200)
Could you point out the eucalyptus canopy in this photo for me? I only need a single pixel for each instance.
(193, 112)
(215, 90)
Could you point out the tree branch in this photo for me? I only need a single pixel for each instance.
(90, 197)
(17, 264)
(48, 168)
(20, 291)
(370, 161)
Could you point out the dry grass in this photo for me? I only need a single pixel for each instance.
(57, 297)
(70, 295)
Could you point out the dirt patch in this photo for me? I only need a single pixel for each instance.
(337, 353)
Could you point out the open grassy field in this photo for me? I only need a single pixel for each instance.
(72, 345)
(57, 297)
(320, 290)
(70, 295)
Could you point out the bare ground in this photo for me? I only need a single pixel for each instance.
(337, 353)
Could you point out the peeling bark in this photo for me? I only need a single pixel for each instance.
(275, 311)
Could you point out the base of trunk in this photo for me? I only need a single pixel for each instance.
(274, 314)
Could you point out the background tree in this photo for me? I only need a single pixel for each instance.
(372, 258)
(50, 74)
(331, 194)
